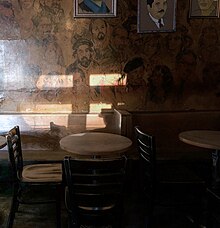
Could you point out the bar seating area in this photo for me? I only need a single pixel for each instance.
(109, 114)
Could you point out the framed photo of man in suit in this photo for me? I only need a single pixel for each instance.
(204, 8)
(95, 8)
(156, 16)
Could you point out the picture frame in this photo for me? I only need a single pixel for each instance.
(88, 8)
(199, 9)
(150, 20)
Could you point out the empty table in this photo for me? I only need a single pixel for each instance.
(206, 139)
(95, 144)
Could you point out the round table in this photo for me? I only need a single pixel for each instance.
(95, 144)
(206, 139)
(2, 141)
(202, 138)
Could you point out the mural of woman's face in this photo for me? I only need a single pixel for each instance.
(205, 4)
(157, 78)
(135, 77)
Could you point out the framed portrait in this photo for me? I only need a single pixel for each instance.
(156, 16)
(201, 8)
(95, 8)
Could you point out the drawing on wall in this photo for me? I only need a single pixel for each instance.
(201, 8)
(156, 16)
(95, 8)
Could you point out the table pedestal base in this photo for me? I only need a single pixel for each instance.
(216, 169)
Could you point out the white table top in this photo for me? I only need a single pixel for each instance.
(2, 141)
(202, 138)
(95, 144)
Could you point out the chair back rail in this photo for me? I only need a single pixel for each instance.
(146, 149)
(170, 185)
(94, 187)
(15, 152)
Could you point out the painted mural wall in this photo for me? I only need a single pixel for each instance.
(53, 62)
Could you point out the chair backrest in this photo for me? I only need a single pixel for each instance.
(147, 152)
(95, 187)
(15, 153)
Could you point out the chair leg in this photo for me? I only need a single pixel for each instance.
(58, 206)
(13, 209)
(209, 222)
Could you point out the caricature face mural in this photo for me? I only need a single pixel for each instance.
(157, 8)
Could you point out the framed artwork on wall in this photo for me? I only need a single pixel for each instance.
(95, 8)
(201, 8)
(156, 16)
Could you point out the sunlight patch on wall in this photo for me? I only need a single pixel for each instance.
(107, 80)
(54, 81)
(94, 121)
(46, 108)
(97, 107)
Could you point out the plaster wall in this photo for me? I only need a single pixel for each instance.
(47, 58)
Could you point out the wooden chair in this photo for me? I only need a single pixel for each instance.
(43, 179)
(172, 186)
(94, 191)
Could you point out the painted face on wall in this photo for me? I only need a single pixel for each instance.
(45, 27)
(84, 55)
(51, 54)
(158, 8)
(99, 29)
(135, 77)
(174, 42)
(26, 4)
(6, 10)
(48, 3)
(120, 38)
(77, 80)
(205, 4)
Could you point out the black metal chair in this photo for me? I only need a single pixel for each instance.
(213, 207)
(172, 185)
(94, 191)
(31, 182)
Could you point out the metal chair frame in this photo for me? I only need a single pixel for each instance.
(94, 191)
(20, 183)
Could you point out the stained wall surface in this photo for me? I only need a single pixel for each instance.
(52, 62)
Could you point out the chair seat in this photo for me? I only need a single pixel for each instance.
(42, 173)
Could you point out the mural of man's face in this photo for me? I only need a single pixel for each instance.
(84, 55)
(158, 8)
(99, 29)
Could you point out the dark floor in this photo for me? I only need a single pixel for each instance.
(43, 216)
